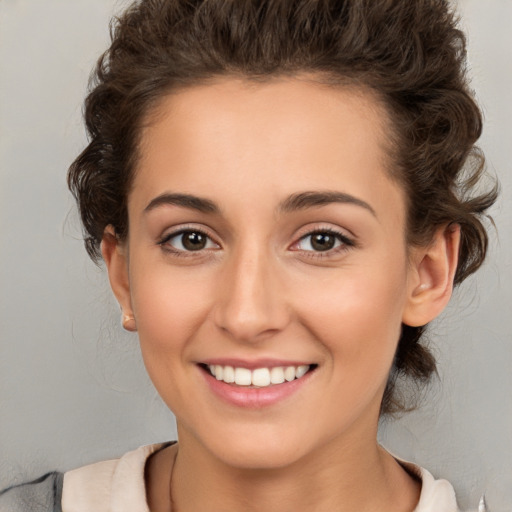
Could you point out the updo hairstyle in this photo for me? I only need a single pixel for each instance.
(410, 54)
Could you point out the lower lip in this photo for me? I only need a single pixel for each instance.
(254, 398)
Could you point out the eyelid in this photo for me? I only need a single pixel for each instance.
(179, 230)
(347, 242)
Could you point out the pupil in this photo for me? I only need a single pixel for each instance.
(193, 241)
(322, 242)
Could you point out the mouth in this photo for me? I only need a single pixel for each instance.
(263, 377)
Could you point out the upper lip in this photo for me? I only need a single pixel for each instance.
(254, 363)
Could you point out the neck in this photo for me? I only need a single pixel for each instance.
(337, 476)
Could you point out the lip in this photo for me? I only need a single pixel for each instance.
(252, 397)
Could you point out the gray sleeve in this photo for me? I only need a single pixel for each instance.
(41, 495)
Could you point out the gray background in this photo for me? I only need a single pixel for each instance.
(72, 386)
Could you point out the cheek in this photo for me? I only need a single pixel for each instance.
(357, 317)
(169, 307)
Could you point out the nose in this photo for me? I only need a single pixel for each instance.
(251, 302)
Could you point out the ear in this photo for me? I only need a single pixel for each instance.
(431, 276)
(115, 257)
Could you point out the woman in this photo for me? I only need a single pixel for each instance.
(276, 189)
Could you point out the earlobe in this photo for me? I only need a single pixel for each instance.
(116, 261)
(431, 276)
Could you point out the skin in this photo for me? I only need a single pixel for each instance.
(259, 290)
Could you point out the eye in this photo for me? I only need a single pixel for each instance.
(322, 241)
(188, 241)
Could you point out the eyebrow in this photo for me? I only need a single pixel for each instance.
(304, 200)
(184, 200)
(295, 202)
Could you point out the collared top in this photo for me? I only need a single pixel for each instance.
(118, 485)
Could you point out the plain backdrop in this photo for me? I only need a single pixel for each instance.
(72, 386)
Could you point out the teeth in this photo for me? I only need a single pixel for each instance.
(229, 374)
(242, 377)
(277, 375)
(301, 371)
(261, 377)
(289, 373)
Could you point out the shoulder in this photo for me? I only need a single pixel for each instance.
(437, 495)
(41, 495)
(116, 484)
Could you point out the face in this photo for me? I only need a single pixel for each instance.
(266, 243)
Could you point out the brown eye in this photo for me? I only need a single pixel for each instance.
(323, 241)
(193, 241)
(189, 241)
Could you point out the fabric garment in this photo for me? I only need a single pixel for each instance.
(118, 486)
(41, 495)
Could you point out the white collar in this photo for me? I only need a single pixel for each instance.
(436, 495)
(118, 486)
(109, 486)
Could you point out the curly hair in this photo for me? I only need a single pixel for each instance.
(411, 54)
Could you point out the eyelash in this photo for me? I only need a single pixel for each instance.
(345, 242)
(164, 241)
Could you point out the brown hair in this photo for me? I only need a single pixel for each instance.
(410, 53)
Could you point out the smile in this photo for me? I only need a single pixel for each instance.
(258, 383)
(259, 377)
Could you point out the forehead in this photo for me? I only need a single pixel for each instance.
(293, 101)
(288, 134)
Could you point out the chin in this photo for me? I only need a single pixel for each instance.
(260, 457)
(257, 448)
